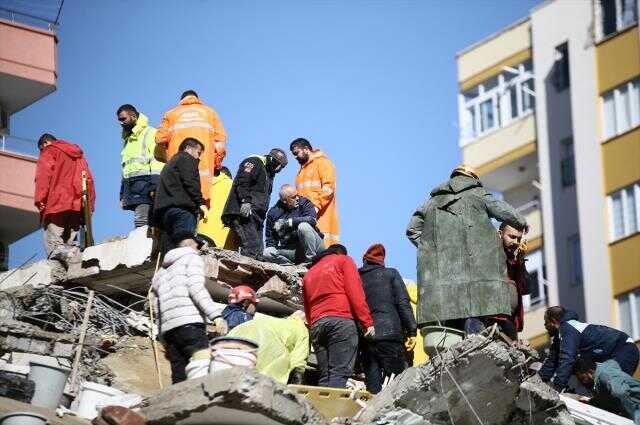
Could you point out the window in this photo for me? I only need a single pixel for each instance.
(624, 212)
(567, 163)
(560, 74)
(575, 259)
(621, 109)
(497, 101)
(628, 311)
(617, 15)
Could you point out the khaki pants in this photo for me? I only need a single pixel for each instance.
(60, 230)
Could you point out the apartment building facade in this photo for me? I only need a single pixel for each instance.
(28, 72)
(549, 113)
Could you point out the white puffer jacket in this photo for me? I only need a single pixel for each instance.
(179, 287)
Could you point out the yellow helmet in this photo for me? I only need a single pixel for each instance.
(465, 170)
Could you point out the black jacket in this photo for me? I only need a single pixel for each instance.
(389, 302)
(252, 184)
(305, 213)
(179, 185)
(575, 339)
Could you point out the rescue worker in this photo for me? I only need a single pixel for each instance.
(248, 201)
(393, 319)
(58, 195)
(462, 267)
(241, 306)
(283, 345)
(291, 234)
(571, 338)
(140, 170)
(333, 301)
(179, 200)
(193, 119)
(613, 389)
(212, 228)
(316, 181)
(183, 305)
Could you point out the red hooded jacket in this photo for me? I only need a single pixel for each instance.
(59, 179)
(332, 288)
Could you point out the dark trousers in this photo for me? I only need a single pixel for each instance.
(627, 355)
(249, 230)
(181, 343)
(179, 224)
(335, 342)
(381, 359)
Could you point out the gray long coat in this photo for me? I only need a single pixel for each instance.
(461, 262)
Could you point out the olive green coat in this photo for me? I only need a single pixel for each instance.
(461, 262)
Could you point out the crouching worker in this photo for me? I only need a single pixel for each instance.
(183, 303)
(613, 389)
(283, 345)
(291, 233)
(241, 306)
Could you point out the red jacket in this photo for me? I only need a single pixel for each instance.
(59, 179)
(332, 287)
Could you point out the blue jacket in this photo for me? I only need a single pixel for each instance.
(578, 339)
(305, 213)
(235, 315)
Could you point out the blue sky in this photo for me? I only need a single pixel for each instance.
(371, 83)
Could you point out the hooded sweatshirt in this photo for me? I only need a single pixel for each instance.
(59, 179)
(179, 286)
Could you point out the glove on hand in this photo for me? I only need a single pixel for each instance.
(279, 225)
(203, 212)
(245, 209)
(370, 333)
(410, 343)
(296, 377)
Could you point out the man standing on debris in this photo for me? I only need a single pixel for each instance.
(571, 338)
(241, 306)
(613, 389)
(179, 200)
(183, 303)
(193, 119)
(462, 267)
(283, 345)
(58, 194)
(291, 234)
(248, 201)
(333, 301)
(393, 319)
(140, 170)
(316, 181)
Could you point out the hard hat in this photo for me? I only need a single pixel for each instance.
(279, 155)
(241, 293)
(465, 170)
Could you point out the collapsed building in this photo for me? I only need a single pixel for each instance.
(99, 307)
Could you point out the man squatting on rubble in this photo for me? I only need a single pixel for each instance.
(333, 300)
(388, 301)
(179, 198)
(58, 195)
(140, 170)
(291, 234)
(241, 306)
(572, 339)
(248, 200)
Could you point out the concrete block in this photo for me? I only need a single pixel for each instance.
(128, 252)
(61, 349)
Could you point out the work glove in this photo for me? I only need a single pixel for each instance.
(219, 327)
(203, 212)
(296, 377)
(370, 333)
(245, 209)
(410, 343)
(282, 225)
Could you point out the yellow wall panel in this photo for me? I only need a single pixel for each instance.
(625, 264)
(618, 59)
(621, 161)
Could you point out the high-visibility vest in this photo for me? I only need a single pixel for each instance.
(137, 151)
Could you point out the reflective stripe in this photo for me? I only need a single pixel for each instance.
(191, 124)
(327, 189)
(312, 183)
(204, 173)
(630, 340)
(331, 236)
(579, 326)
(142, 173)
(136, 161)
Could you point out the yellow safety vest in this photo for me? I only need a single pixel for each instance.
(137, 151)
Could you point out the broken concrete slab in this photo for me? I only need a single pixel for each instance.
(235, 396)
(24, 338)
(8, 405)
(478, 380)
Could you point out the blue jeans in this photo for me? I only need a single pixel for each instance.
(180, 224)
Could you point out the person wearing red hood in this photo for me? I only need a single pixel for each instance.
(58, 194)
(393, 319)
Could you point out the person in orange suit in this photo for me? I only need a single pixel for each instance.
(193, 119)
(316, 181)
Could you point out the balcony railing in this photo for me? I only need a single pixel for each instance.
(19, 146)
